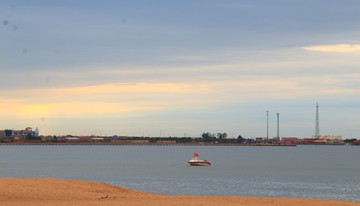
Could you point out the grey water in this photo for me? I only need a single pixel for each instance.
(315, 172)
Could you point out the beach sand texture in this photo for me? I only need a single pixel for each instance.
(38, 192)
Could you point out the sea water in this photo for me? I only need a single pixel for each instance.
(316, 172)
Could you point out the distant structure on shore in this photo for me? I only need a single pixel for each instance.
(28, 131)
(317, 127)
(322, 138)
(328, 137)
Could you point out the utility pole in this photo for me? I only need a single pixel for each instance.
(278, 135)
(267, 124)
(317, 127)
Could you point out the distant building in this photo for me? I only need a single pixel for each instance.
(292, 140)
(19, 138)
(72, 139)
(25, 132)
(97, 139)
(356, 142)
(328, 137)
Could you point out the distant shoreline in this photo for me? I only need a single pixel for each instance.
(146, 144)
(164, 144)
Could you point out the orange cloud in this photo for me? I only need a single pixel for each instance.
(72, 109)
(343, 48)
(137, 99)
(99, 100)
(114, 89)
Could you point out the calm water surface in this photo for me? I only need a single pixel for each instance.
(317, 172)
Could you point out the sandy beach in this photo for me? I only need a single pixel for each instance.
(31, 192)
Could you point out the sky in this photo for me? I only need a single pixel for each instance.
(180, 68)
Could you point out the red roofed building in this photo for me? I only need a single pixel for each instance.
(25, 132)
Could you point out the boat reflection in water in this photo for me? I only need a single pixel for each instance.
(196, 161)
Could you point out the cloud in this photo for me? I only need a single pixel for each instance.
(84, 109)
(148, 102)
(137, 98)
(192, 58)
(101, 100)
(72, 109)
(342, 48)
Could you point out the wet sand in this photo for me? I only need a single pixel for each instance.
(38, 192)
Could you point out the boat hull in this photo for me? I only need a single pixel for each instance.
(199, 163)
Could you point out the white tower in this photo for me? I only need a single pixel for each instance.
(37, 132)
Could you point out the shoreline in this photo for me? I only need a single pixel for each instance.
(34, 191)
(146, 144)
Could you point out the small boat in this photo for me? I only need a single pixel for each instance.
(196, 161)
